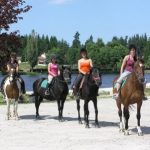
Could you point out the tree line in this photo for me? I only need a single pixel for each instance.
(107, 56)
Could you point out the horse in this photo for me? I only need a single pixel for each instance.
(58, 91)
(12, 90)
(88, 91)
(131, 93)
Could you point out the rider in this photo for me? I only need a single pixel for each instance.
(13, 63)
(126, 67)
(84, 66)
(53, 71)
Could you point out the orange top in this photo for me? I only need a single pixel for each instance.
(85, 66)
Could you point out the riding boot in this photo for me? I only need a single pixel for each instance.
(23, 87)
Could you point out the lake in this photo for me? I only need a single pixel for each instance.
(107, 79)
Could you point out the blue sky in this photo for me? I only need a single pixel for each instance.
(100, 18)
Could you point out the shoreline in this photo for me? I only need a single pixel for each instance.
(103, 91)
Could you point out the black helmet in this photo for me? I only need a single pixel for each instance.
(13, 54)
(53, 57)
(83, 50)
(132, 46)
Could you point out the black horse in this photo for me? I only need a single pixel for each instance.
(89, 90)
(58, 91)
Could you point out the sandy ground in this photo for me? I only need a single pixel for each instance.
(49, 134)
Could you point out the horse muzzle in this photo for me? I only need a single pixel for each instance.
(141, 79)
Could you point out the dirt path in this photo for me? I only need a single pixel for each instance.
(49, 134)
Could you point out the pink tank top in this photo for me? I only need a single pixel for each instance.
(54, 68)
(129, 65)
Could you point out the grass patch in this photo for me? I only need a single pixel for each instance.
(147, 91)
(24, 67)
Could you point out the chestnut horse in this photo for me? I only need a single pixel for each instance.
(12, 91)
(89, 90)
(131, 93)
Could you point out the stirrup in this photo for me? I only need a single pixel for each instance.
(47, 92)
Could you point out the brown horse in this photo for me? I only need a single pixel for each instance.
(131, 93)
(12, 92)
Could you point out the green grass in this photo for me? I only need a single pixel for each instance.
(147, 91)
(25, 67)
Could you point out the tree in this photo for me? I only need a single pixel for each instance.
(32, 49)
(9, 11)
(9, 14)
(76, 42)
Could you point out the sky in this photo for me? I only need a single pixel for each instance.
(99, 18)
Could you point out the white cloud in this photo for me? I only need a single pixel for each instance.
(59, 2)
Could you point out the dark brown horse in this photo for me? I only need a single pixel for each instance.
(131, 93)
(12, 91)
(59, 91)
(90, 85)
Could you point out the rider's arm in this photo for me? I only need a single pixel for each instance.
(17, 68)
(8, 68)
(123, 64)
(91, 63)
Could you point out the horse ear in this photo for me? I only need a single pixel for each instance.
(63, 67)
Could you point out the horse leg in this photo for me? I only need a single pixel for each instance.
(126, 117)
(96, 112)
(121, 125)
(8, 109)
(61, 109)
(15, 109)
(59, 112)
(38, 100)
(78, 108)
(86, 114)
(138, 118)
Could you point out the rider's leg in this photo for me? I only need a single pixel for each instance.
(22, 84)
(2, 85)
(47, 92)
(119, 81)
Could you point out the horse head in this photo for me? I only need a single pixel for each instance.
(139, 70)
(66, 74)
(95, 76)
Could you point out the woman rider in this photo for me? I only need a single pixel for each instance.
(13, 63)
(53, 71)
(84, 66)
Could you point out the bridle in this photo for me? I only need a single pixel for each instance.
(140, 74)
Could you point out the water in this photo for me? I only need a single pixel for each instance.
(107, 79)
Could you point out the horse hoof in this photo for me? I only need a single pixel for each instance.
(121, 130)
(61, 120)
(37, 117)
(80, 122)
(87, 126)
(97, 125)
(126, 132)
(140, 134)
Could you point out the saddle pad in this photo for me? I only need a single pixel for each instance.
(122, 84)
(44, 83)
